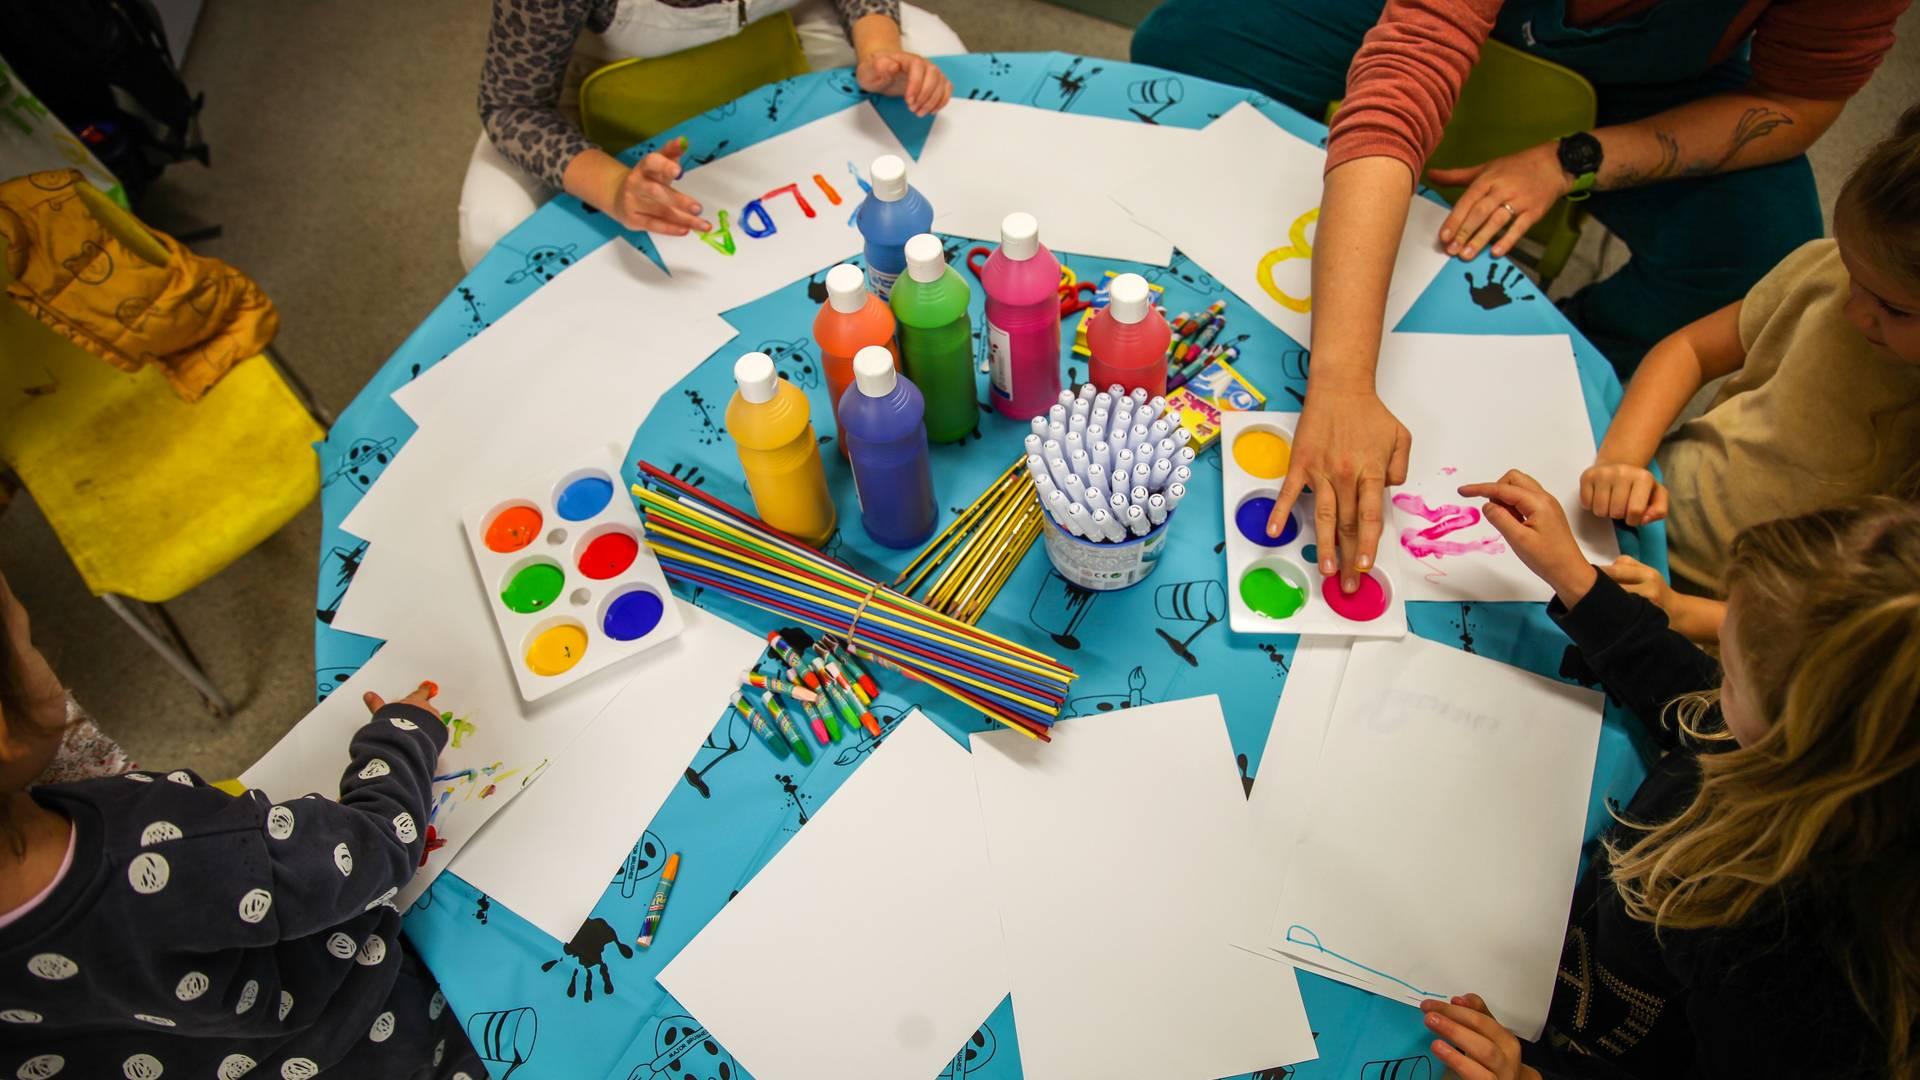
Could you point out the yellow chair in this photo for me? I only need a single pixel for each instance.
(1513, 100)
(630, 101)
(151, 495)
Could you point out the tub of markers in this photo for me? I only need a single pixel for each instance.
(1106, 565)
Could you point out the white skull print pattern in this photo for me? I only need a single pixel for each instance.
(159, 833)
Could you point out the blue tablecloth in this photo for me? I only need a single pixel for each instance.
(538, 1007)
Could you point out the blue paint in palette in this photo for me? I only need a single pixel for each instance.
(632, 615)
(584, 498)
(1251, 520)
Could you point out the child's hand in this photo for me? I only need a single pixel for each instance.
(646, 200)
(1623, 492)
(1534, 525)
(422, 696)
(901, 74)
(1472, 1044)
(1641, 580)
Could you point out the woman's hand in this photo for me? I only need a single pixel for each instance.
(645, 198)
(1472, 1044)
(1536, 528)
(910, 76)
(1504, 197)
(422, 696)
(1348, 447)
(1623, 492)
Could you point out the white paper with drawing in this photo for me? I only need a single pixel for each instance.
(986, 159)
(1120, 856)
(898, 856)
(1249, 216)
(781, 209)
(1441, 854)
(1478, 406)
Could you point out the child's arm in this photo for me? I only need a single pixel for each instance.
(1619, 484)
(1697, 618)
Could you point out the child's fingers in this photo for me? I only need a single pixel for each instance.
(1656, 505)
(1513, 496)
(1586, 490)
(1637, 498)
(1459, 1064)
(674, 149)
(373, 701)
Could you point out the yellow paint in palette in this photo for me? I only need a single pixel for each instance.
(556, 649)
(1262, 454)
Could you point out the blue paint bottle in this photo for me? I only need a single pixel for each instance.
(892, 214)
(883, 420)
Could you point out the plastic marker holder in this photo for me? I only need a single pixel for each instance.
(573, 585)
(1273, 583)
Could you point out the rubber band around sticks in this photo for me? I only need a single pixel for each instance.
(853, 627)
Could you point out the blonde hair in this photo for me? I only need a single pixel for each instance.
(1880, 204)
(1827, 802)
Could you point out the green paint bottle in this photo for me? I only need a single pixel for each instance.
(929, 303)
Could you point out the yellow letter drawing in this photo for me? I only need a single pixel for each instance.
(1298, 249)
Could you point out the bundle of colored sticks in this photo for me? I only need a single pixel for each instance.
(704, 541)
(965, 566)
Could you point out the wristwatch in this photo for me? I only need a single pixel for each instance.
(1580, 155)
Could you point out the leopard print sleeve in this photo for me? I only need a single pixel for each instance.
(853, 10)
(529, 44)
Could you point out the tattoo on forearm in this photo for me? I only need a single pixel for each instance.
(1669, 156)
(1755, 123)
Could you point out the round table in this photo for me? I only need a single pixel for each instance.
(1161, 640)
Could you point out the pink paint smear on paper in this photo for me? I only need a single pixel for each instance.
(1446, 518)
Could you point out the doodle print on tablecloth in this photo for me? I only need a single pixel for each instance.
(1094, 704)
(588, 948)
(1500, 287)
(327, 680)
(728, 737)
(1193, 608)
(480, 907)
(470, 306)
(682, 1050)
(860, 744)
(644, 861)
(1060, 89)
(1406, 1068)
(1149, 99)
(544, 263)
(504, 1037)
(973, 1056)
(797, 801)
(363, 462)
(707, 416)
(1059, 608)
(794, 360)
(345, 564)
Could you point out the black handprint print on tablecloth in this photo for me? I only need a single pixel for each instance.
(1499, 288)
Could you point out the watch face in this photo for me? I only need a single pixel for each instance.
(1580, 154)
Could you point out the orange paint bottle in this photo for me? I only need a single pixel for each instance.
(850, 320)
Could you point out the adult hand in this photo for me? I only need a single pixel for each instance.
(1348, 447)
(1535, 526)
(901, 74)
(422, 696)
(1472, 1044)
(1623, 492)
(1504, 197)
(646, 199)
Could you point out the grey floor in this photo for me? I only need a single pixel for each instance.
(340, 134)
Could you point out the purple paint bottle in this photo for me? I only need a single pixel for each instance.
(883, 420)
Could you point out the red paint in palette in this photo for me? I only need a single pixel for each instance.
(608, 555)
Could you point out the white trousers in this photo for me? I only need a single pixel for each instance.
(498, 195)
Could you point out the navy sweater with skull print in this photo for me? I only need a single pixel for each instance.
(200, 934)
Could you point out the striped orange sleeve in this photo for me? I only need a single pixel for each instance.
(1402, 84)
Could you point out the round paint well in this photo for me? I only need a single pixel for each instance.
(579, 597)
(606, 552)
(1364, 604)
(555, 647)
(532, 585)
(1251, 519)
(510, 527)
(1274, 588)
(1262, 452)
(631, 613)
(582, 494)
(557, 536)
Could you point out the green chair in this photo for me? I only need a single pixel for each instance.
(630, 101)
(1513, 100)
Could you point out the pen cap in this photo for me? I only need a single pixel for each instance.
(926, 259)
(847, 288)
(1019, 236)
(1127, 298)
(873, 371)
(756, 376)
(889, 178)
(673, 867)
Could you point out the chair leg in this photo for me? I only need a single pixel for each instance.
(320, 412)
(171, 646)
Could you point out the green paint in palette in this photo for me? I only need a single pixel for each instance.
(533, 588)
(1270, 594)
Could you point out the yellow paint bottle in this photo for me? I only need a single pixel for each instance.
(771, 425)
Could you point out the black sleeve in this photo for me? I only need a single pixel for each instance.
(1559, 1065)
(1642, 662)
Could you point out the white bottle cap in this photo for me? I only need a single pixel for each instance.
(926, 259)
(847, 288)
(873, 371)
(1127, 298)
(1019, 237)
(756, 376)
(889, 178)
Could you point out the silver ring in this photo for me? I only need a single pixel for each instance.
(1508, 207)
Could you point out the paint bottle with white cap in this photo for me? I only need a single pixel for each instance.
(1128, 339)
(883, 421)
(772, 428)
(936, 339)
(1022, 282)
(893, 212)
(850, 320)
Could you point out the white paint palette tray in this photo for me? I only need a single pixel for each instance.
(573, 585)
(1273, 584)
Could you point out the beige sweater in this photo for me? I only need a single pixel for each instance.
(1815, 415)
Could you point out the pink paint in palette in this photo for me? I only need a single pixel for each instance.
(570, 579)
(1273, 584)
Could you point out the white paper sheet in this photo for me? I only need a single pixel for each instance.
(1282, 797)
(898, 850)
(1248, 211)
(986, 159)
(549, 858)
(1445, 837)
(781, 221)
(1120, 856)
(1478, 406)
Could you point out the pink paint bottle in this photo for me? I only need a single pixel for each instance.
(1022, 283)
(1128, 339)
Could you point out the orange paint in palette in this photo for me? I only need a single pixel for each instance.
(572, 584)
(1273, 585)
